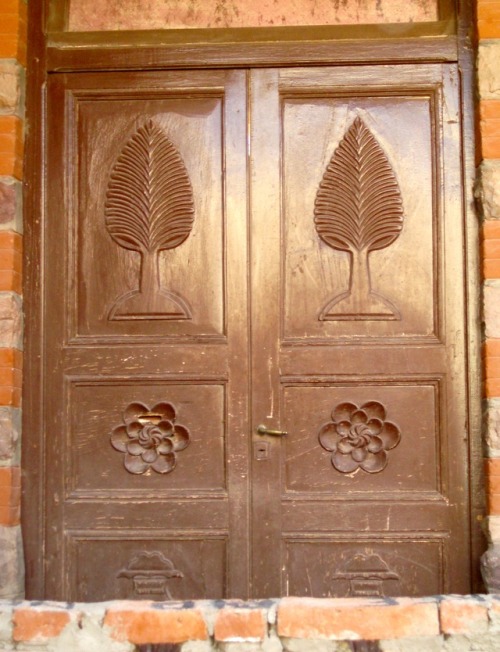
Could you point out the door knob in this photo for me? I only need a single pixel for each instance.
(263, 430)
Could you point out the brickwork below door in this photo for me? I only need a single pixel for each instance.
(289, 625)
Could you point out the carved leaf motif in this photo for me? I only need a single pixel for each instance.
(149, 202)
(358, 205)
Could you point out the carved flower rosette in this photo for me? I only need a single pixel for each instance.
(150, 438)
(359, 437)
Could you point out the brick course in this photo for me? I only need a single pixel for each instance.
(491, 249)
(38, 625)
(10, 495)
(356, 619)
(13, 28)
(463, 616)
(240, 625)
(464, 623)
(488, 19)
(489, 117)
(142, 623)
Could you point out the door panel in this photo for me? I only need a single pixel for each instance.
(357, 329)
(112, 562)
(191, 273)
(386, 567)
(98, 468)
(146, 393)
(313, 123)
(229, 249)
(409, 407)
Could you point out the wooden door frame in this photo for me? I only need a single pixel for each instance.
(52, 49)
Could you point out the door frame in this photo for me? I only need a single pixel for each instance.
(52, 49)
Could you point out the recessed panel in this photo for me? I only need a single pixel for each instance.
(145, 438)
(147, 244)
(359, 217)
(375, 567)
(376, 439)
(138, 567)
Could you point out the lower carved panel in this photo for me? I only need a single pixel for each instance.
(130, 566)
(368, 436)
(375, 567)
(145, 436)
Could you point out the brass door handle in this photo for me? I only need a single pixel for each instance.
(263, 430)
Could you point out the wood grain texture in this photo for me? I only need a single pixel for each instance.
(241, 48)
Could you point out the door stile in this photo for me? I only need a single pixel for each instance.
(265, 283)
(455, 422)
(238, 414)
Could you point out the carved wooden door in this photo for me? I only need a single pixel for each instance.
(227, 250)
(146, 335)
(358, 335)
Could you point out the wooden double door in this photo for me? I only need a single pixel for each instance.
(229, 256)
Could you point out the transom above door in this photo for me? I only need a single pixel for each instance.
(229, 252)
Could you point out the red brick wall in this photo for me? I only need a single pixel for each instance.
(488, 147)
(12, 62)
(488, 19)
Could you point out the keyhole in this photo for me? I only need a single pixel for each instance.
(261, 450)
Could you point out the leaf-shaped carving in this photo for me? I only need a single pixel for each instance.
(149, 202)
(358, 205)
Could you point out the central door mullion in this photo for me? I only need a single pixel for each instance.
(265, 286)
(236, 247)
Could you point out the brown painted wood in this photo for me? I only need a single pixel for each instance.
(248, 326)
(447, 9)
(399, 353)
(466, 63)
(70, 52)
(244, 47)
(57, 16)
(33, 449)
(119, 337)
(326, 354)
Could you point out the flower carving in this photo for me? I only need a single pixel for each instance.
(150, 439)
(359, 437)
